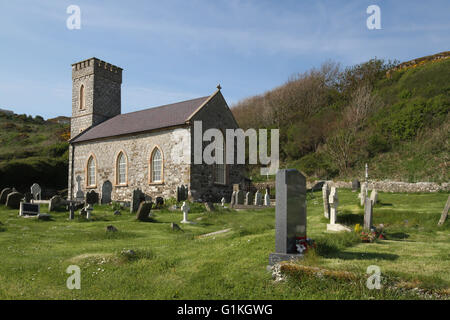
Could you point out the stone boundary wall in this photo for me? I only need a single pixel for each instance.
(383, 186)
(397, 186)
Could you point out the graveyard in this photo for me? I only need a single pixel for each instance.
(224, 254)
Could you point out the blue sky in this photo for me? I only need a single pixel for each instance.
(178, 50)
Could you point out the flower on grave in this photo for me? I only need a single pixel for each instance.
(358, 228)
(302, 244)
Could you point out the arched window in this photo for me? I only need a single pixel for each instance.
(91, 172)
(82, 100)
(220, 170)
(156, 166)
(121, 169)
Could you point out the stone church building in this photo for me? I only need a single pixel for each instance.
(152, 149)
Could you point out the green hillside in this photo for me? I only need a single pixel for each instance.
(32, 150)
(333, 120)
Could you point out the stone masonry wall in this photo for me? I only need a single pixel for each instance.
(102, 93)
(216, 114)
(175, 147)
(384, 186)
(397, 186)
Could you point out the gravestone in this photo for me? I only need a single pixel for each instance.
(13, 200)
(334, 202)
(111, 228)
(363, 194)
(4, 195)
(29, 209)
(106, 192)
(248, 198)
(258, 198)
(368, 213)
(355, 185)
(374, 197)
(210, 206)
(236, 187)
(240, 197)
(267, 199)
(185, 208)
(92, 197)
(79, 195)
(182, 193)
(55, 203)
(44, 216)
(136, 198)
(71, 211)
(233, 199)
(89, 210)
(325, 196)
(159, 202)
(290, 212)
(143, 211)
(36, 191)
(223, 201)
(444, 212)
(27, 197)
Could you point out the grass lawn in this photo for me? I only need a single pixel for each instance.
(170, 264)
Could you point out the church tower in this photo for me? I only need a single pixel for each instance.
(96, 96)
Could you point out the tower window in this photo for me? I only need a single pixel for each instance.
(82, 99)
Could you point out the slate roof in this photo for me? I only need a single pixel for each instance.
(145, 120)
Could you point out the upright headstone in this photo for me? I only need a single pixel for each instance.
(240, 197)
(36, 191)
(334, 202)
(181, 193)
(13, 200)
(290, 214)
(92, 197)
(362, 195)
(355, 185)
(136, 198)
(4, 195)
(143, 211)
(71, 211)
(28, 197)
(374, 197)
(106, 192)
(267, 199)
(258, 198)
(233, 199)
(80, 194)
(89, 210)
(185, 208)
(444, 212)
(54, 203)
(209, 206)
(223, 201)
(248, 198)
(325, 196)
(368, 212)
